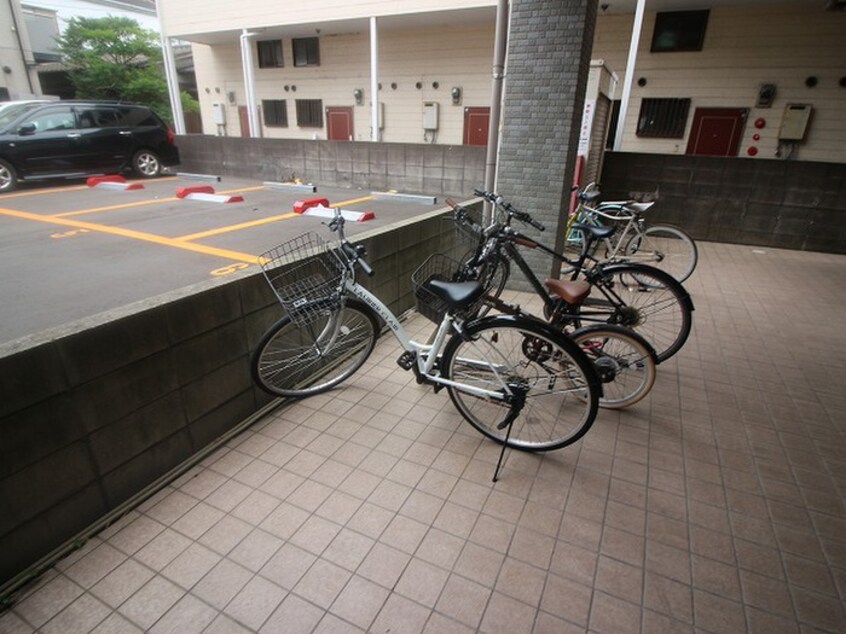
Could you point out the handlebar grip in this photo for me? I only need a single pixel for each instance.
(365, 266)
(537, 225)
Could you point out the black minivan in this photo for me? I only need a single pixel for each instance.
(70, 139)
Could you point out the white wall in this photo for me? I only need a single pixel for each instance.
(449, 56)
(743, 48)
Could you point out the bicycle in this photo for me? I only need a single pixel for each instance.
(664, 246)
(516, 380)
(641, 297)
(625, 361)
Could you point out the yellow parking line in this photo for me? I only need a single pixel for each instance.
(68, 188)
(243, 225)
(260, 221)
(137, 235)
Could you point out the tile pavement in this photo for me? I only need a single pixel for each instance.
(714, 505)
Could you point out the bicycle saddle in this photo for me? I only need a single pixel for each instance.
(572, 292)
(456, 294)
(596, 232)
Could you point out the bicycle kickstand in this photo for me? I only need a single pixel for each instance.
(499, 463)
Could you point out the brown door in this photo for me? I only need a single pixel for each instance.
(716, 131)
(245, 121)
(339, 123)
(476, 121)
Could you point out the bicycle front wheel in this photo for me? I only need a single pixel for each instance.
(504, 354)
(301, 360)
(665, 247)
(624, 361)
(646, 299)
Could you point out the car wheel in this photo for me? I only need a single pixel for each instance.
(146, 164)
(8, 179)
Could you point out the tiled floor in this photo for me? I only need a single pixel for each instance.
(714, 505)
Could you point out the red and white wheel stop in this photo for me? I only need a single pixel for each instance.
(320, 207)
(206, 193)
(111, 181)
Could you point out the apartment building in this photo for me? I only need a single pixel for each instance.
(708, 76)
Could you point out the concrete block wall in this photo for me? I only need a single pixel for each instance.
(407, 167)
(92, 418)
(786, 204)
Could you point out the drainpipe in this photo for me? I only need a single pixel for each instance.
(249, 81)
(500, 44)
(374, 82)
(173, 86)
(630, 68)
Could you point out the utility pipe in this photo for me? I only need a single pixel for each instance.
(500, 44)
(374, 81)
(173, 86)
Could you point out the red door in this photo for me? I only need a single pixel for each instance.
(244, 120)
(476, 121)
(716, 131)
(339, 123)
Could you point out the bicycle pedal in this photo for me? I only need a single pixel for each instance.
(407, 360)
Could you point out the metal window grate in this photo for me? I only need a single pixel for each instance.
(270, 54)
(310, 113)
(275, 113)
(306, 51)
(663, 118)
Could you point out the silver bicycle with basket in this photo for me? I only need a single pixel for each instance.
(514, 379)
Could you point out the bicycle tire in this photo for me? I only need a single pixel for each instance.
(665, 247)
(563, 387)
(651, 302)
(288, 360)
(624, 360)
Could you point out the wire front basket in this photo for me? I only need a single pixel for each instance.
(306, 275)
(436, 267)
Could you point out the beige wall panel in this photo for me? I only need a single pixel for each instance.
(743, 49)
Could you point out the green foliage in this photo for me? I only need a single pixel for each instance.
(115, 58)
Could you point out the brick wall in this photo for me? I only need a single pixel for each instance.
(542, 110)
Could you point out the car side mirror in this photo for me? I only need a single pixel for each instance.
(26, 129)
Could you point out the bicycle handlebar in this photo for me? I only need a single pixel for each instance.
(354, 253)
(513, 212)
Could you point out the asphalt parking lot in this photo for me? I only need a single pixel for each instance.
(71, 251)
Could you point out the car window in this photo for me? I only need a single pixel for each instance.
(136, 117)
(52, 120)
(100, 118)
(13, 111)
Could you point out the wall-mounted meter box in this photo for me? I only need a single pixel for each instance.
(219, 113)
(794, 123)
(430, 115)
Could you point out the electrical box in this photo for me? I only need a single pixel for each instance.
(430, 115)
(794, 123)
(219, 113)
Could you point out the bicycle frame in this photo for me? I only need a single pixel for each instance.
(425, 355)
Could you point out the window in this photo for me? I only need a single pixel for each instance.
(53, 120)
(663, 118)
(100, 118)
(270, 54)
(310, 113)
(679, 31)
(275, 113)
(306, 51)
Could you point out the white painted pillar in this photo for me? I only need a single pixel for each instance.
(374, 81)
(249, 82)
(173, 86)
(630, 68)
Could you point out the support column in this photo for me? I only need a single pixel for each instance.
(629, 76)
(173, 86)
(249, 82)
(548, 61)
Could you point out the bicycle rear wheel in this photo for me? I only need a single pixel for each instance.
(665, 247)
(623, 359)
(560, 385)
(646, 299)
(306, 359)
